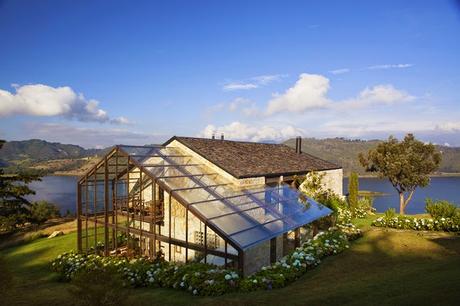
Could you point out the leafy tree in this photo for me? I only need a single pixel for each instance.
(14, 207)
(353, 188)
(407, 164)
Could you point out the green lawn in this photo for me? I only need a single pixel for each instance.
(382, 268)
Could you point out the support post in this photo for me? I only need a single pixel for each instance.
(205, 243)
(79, 224)
(95, 209)
(169, 223)
(106, 207)
(297, 237)
(186, 235)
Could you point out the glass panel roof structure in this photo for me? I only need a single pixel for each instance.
(247, 216)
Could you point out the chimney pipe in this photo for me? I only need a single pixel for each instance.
(298, 145)
(222, 136)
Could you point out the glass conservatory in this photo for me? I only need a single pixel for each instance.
(161, 201)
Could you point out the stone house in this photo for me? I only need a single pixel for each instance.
(200, 200)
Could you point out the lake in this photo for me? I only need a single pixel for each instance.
(440, 188)
(61, 190)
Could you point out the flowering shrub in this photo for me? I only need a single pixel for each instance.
(198, 279)
(292, 266)
(350, 231)
(418, 224)
(205, 279)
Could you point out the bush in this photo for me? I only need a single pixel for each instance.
(204, 279)
(363, 208)
(294, 265)
(418, 224)
(101, 286)
(353, 189)
(6, 280)
(42, 211)
(441, 209)
(390, 213)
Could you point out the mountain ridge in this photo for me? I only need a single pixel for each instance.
(39, 154)
(344, 152)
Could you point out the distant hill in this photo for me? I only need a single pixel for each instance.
(345, 152)
(53, 157)
(44, 156)
(40, 150)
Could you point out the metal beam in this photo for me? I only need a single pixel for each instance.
(198, 187)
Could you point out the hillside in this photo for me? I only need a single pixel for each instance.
(41, 150)
(44, 156)
(345, 152)
(58, 158)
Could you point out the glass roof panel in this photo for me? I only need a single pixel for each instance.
(246, 216)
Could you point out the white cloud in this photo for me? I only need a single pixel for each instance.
(379, 94)
(390, 66)
(120, 120)
(309, 92)
(269, 78)
(254, 82)
(340, 71)
(43, 100)
(239, 86)
(241, 131)
(449, 126)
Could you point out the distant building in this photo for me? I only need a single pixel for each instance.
(194, 199)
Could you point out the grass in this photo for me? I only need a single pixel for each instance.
(384, 267)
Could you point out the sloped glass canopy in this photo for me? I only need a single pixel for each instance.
(247, 216)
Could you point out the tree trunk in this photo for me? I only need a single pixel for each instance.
(401, 203)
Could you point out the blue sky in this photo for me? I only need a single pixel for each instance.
(97, 73)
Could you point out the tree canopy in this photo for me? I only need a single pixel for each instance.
(407, 164)
(14, 207)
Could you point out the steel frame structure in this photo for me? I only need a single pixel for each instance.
(108, 209)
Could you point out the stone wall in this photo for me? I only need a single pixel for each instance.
(333, 179)
(256, 257)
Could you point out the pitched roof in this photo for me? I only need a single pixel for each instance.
(252, 159)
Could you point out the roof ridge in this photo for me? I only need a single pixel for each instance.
(238, 141)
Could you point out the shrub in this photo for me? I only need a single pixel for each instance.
(390, 213)
(204, 279)
(6, 279)
(41, 211)
(292, 266)
(363, 208)
(101, 286)
(353, 188)
(418, 224)
(441, 209)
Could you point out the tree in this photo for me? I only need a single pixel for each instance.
(353, 188)
(407, 164)
(14, 207)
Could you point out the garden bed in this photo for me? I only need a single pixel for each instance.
(205, 279)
